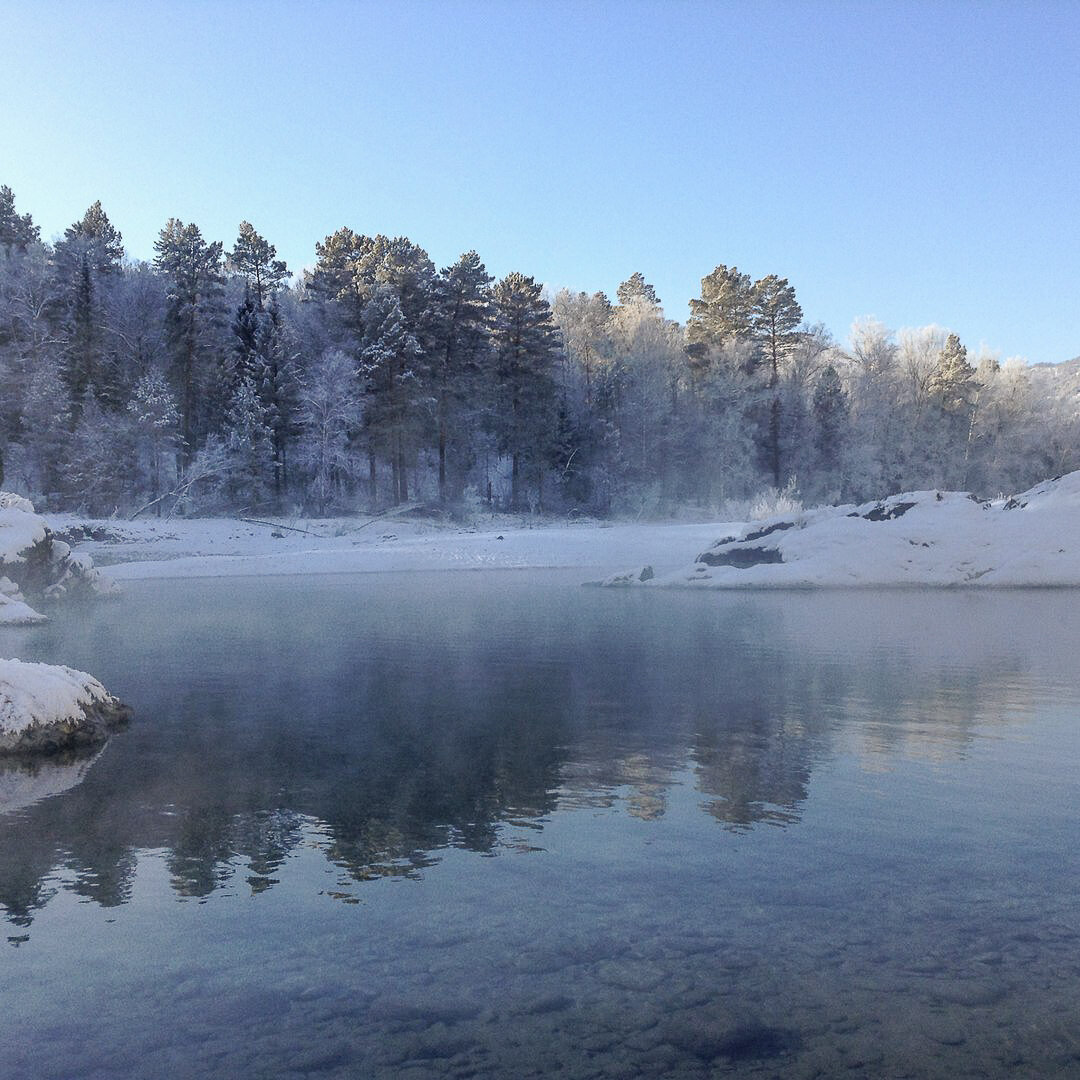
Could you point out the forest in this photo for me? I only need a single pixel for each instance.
(212, 380)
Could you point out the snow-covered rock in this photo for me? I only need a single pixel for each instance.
(917, 538)
(46, 707)
(36, 563)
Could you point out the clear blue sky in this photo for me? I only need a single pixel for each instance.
(919, 162)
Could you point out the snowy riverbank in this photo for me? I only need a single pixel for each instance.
(922, 538)
(925, 538)
(224, 547)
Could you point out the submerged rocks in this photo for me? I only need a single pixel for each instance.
(45, 708)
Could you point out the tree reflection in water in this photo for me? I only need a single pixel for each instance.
(384, 725)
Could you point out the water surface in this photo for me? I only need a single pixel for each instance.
(495, 824)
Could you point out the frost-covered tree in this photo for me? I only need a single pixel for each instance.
(46, 426)
(155, 423)
(393, 381)
(98, 470)
(250, 446)
(17, 231)
(329, 410)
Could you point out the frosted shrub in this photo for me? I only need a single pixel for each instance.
(773, 502)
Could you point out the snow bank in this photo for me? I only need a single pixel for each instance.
(34, 561)
(917, 538)
(45, 707)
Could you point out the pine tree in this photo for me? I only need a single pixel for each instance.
(88, 261)
(192, 269)
(774, 317)
(95, 238)
(393, 384)
(459, 356)
(636, 290)
(527, 349)
(17, 231)
(278, 385)
(252, 258)
(953, 379)
(721, 314)
(831, 411)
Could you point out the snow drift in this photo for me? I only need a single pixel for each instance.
(917, 538)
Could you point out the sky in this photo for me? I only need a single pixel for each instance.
(914, 162)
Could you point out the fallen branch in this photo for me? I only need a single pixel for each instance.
(275, 525)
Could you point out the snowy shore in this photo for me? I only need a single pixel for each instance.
(921, 538)
(226, 547)
(925, 538)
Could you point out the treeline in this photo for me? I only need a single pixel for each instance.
(205, 381)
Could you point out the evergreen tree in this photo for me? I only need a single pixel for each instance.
(88, 262)
(17, 231)
(636, 290)
(831, 411)
(459, 357)
(252, 258)
(722, 313)
(277, 385)
(774, 317)
(527, 348)
(95, 239)
(192, 269)
(952, 381)
(247, 332)
(393, 384)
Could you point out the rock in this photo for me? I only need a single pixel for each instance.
(631, 577)
(45, 708)
(741, 557)
(38, 563)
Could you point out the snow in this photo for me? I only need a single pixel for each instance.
(16, 612)
(922, 538)
(941, 539)
(44, 694)
(20, 528)
(220, 547)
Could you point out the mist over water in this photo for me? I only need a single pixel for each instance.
(497, 824)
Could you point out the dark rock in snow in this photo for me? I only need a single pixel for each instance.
(740, 557)
(888, 512)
